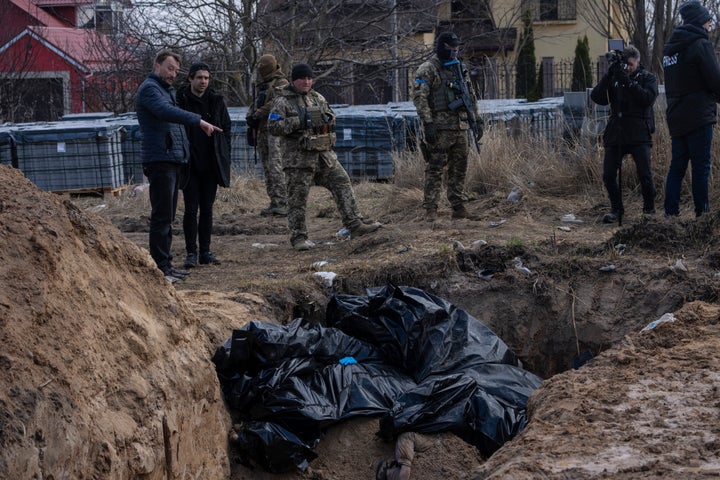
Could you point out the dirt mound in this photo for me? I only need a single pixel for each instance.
(103, 373)
(643, 409)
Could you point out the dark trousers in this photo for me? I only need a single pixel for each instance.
(611, 167)
(693, 148)
(163, 178)
(199, 194)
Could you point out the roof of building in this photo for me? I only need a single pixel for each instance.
(38, 13)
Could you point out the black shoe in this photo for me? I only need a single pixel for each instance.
(176, 272)
(610, 218)
(208, 258)
(190, 261)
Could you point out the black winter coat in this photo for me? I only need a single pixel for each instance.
(692, 80)
(218, 115)
(632, 119)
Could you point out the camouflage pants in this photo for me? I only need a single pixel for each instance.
(451, 151)
(324, 171)
(270, 153)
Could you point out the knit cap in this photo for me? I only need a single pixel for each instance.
(693, 13)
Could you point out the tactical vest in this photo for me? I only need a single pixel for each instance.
(442, 94)
(317, 132)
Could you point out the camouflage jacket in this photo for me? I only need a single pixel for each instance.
(434, 91)
(284, 120)
(266, 91)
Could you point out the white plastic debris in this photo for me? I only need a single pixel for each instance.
(519, 266)
(666, 318)
(571, 218)
(497, 224)
(564, 228)
(264, 245)
(458, 246)
(326, 277)
(515, 195)
(679, 267)
(607, 268)
(343, 234)
(477, 244)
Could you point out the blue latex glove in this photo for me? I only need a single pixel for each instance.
(348, 361)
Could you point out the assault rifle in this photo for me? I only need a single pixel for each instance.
(465, 99)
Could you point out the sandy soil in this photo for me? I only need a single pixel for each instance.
(643, 407)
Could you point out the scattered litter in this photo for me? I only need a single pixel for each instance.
(97, 208)
(519, 266)
(515, 195)
(620, 248)
(486, 274)
(138, 189)
(607, 268)
(404, 249)
(571, 218)
(497, 224)
(343, 234)
(477, 244)
(458, 246)
(326, 277)
(679, 267)
(264, 245)
(564, 229)
(320, 264)
(666, 318)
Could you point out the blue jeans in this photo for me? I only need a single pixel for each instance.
(695, 149)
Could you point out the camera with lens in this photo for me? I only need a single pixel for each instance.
(615, 52)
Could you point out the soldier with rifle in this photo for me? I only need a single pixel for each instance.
(447, 107)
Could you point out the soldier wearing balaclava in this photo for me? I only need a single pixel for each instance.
(445, 122)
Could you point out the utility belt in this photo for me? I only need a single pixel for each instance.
(312, 142)
(317, 135)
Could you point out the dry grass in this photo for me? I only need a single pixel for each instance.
(544, 169)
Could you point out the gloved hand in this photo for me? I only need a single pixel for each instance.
(431, 133)
(253, 122)
(619, 73)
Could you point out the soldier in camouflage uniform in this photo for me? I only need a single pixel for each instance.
(306, 123)
(445, 127)
(268, 146)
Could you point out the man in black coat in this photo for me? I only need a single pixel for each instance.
(165, 153)
(209, 163)
(630, 90)
(692, 88)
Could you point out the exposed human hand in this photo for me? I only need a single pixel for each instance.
(209, 128)
(431, 133)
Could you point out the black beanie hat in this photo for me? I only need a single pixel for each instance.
(198, 66)
(301, 70)
(693, 13)
(444, 38)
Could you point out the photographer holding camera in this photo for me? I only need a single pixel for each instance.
(630, 90)
(692, 87)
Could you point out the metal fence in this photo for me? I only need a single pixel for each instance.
(496, 80)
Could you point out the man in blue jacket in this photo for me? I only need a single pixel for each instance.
(165, 152)
(692, 88)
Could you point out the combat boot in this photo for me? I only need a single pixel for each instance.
(461, 212)
(364, 228)
(431, 215)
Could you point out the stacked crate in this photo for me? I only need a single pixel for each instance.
(131, 145)
(367, 136)
(70, 156)
(6, 146)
